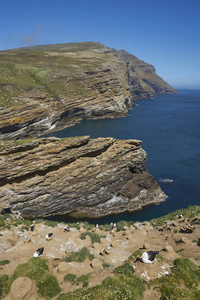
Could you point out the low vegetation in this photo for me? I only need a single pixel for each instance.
(124, 285)
(95, 237)
(38, 270)
(182, 283)
(189, 212)
(79, 256)
(4, 262)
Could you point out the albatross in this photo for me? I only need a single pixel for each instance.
(49, 236)
(149, 256)
(38, 252)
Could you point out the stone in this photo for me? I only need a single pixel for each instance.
(63, 268)
(12, 237)
(168, 249)
(114, 244)
(146, 246)
(184, 240)
(22, 289)
(96, 246)
(96, 264)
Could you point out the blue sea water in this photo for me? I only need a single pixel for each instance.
(169, 127)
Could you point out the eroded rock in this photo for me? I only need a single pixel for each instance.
(77, 176)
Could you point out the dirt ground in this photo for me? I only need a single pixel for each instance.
(18, 247)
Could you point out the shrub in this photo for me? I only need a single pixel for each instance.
(126, 269)
(95, 238)
(106, 265)
(48, 286)
(50, 223)
(182, 283)
(79, 256)
(3, 281)
(125, 285)
(70, 277)
(37, 269)
(4, 262)
(84, 279)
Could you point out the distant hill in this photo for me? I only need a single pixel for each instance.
(53, 86)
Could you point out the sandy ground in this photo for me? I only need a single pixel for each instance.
(143, 236)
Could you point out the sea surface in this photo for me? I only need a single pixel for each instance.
(169, 127)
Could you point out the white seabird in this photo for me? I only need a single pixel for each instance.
(149, 256)
(49, 236)
(38, 252)
(66, 228)
(69, 248)
(108, 247)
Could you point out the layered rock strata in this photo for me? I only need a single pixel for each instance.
(49, 87)
(77, 176)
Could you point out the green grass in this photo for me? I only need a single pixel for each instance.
(84, 279)
(106, 265)
(124, 285)
(135, 255)
(95, 237)
(4, 262)
(190, 212)
(38, 270)
(180, 250)
(160, 258)
(73, 279)
(182, 283)
(3, 282)
(70, 277)
(50, 223)
(25, 69)
(79, 256)
(48, 286)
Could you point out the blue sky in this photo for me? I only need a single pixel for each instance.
(163, 33)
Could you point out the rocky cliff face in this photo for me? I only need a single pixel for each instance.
(49, 87)
(79, 176)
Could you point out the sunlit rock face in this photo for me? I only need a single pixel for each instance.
(79, 176)
(49, 87)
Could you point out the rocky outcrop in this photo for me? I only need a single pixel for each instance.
(142, 78)
(77, 176)
(49, 87)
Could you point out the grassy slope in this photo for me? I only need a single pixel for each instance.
(26, 69)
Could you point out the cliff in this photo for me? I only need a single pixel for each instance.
(44, 88)
(78, 176)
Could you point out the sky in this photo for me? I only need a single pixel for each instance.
(165, 34)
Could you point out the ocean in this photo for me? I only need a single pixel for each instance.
(169, 127)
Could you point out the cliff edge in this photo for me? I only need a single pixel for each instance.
(50, 87)
(79, 176)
